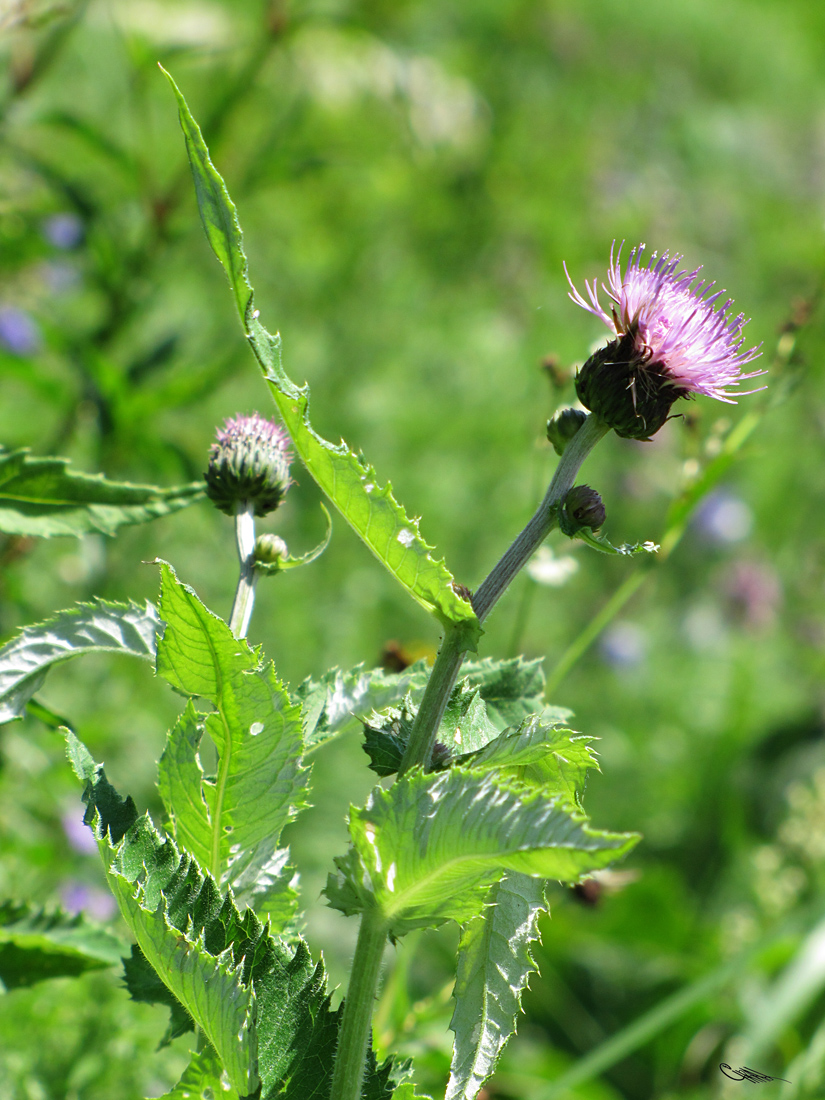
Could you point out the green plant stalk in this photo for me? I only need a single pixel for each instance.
(451, 655)
(366, 964)
(353, 1039)
(245, 593)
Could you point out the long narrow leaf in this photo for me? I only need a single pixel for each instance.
(346, 478)
(494, 963)
(259, 1000)
(230, 822)
(44, 498)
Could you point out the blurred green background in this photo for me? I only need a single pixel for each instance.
(410, 177)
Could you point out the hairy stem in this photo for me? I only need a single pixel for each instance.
(366, 965)
(451, 655)
(543, 522)
(245, 592)
(353, 1039)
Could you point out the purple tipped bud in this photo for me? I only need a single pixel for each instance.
(441, 757)
(563, 426)
(583, 507)
(249, 462)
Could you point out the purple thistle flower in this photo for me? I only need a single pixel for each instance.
(673, 340)
(249, 462)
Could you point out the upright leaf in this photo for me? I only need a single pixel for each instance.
(494, 963)
(428, 849)
(172, 909)
(36, 944)
(230, 822)
(259, 1000)
(43, 497)
(347, 479)
(96, 627)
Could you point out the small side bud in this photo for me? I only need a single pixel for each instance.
(441, 757)
(563, 426)
(582, 508)
(270, 549)
(249, 462)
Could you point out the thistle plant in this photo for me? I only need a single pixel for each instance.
(481, 802)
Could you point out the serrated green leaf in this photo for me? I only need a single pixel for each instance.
(230, 823)
(259, 999)
(346, 478)
(176, 914)
(95, 627)
(494, 963)
(331, 703)
(428, 849)
(537, 755)
(42, 497)
(36, 944)
(511, 689)
(203, 1079)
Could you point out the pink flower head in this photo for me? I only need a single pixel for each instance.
(249, 463)
(673, 340)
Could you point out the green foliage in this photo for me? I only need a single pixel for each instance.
(100, 626)
(494, 964)
(259, 1000)
(427, 850)
(36, 944)
(43, 498)
(230, 823)
(347, 479)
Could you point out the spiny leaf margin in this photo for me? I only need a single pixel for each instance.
(99, 626)
(349, 482)
(41, 497)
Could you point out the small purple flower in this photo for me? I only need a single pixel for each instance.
(249, 462)
(673, 340)
(18, 332)
(63, 230)
(79, 836)
(77, 897)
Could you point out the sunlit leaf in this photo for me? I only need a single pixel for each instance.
(347, 478)
(428, 849)
(95, 627)
(494, 963)
(230, 822)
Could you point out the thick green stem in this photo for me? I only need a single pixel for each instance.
(353, 1039)
(545, 519)
(434, 701)
(366, 966)
(245, 592)
(451, 655)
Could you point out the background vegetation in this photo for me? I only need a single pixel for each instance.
(410, 176)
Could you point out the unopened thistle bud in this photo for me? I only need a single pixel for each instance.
(270, 549)
(563, 426)
(671, 341)
(248, 463)
(583, 508)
